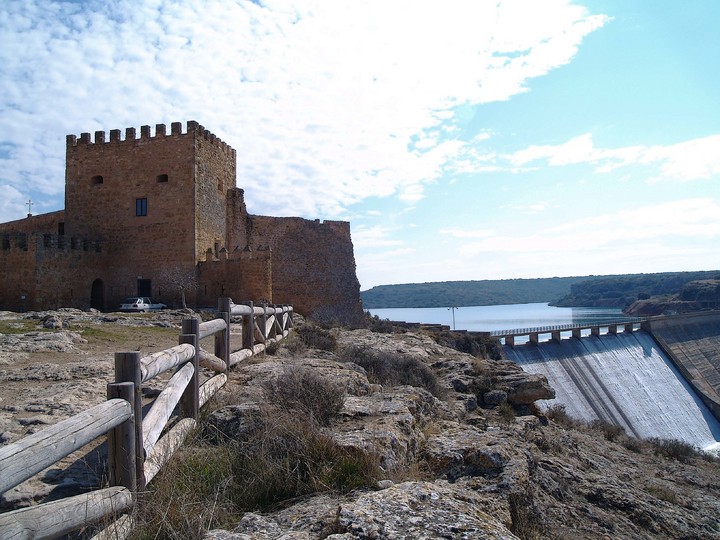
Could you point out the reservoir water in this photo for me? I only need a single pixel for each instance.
(500, 317)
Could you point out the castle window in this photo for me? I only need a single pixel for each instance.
(61, 228)
(162, 177)
(97, 179)
(141, 207)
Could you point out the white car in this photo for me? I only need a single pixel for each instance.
(140, 304)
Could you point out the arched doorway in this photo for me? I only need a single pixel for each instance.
(97, 295)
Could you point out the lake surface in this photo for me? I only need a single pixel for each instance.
(502, 317)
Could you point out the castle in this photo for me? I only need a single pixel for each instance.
(152, 215)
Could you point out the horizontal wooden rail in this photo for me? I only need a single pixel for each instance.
(209, 328)
(153, 365)
(210, 387)
(166, 447)
(162, 409)
(210, 361)
(30, 455)
(56, 518)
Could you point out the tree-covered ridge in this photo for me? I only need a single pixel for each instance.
(468, 293)
(623, 290)
(579, 291)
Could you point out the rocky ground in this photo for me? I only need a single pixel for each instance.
(468, 462)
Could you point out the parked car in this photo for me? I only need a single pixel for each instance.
(140, 304)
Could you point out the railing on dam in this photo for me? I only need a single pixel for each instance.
(627, 323)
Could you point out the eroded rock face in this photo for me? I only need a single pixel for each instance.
(417, 510)
(451, 468)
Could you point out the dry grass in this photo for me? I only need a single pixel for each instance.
(304, 390)
(394, 369)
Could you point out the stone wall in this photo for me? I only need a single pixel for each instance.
(313, 265)
(245, 276)
(43, 271)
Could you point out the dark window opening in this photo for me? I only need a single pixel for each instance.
(141, 207)
(217, 248)
(6, 241)
(144, 287)
(97, 179)
(61, 228)
(162, 178)
(47, 240)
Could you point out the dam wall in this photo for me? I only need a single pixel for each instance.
(625, 379)
(692, 342)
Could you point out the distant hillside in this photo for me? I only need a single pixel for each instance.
(468, 293)
(622, 290)
(585, 291)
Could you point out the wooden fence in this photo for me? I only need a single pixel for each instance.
(138, 446)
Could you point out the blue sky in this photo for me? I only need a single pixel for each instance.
(462, 139)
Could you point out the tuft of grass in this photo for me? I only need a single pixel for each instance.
(316, 337)
(507, 413)
(394, 369)
(611, 431)
(527, 521)
(208, 486)
(20, 326)
(305, 391)
(662, 493)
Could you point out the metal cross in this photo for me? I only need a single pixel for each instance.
(29, 205)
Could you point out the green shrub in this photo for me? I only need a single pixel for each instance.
(558, 414)
(675, 449)
(633, 444)
(304, 390)
(316, 337)
(394, 369)
(611, 431)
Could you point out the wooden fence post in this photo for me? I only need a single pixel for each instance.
(248, 329)
(263, 324)
(127, 369)
(190, 400)
(121, 441)
(222, 339)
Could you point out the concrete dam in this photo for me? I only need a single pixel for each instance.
(627, 378)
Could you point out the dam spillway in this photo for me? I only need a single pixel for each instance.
(625, 379)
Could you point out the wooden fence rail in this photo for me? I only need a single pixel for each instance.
(137, 447)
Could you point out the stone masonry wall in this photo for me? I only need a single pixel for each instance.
(244, 277)
(45, 223)
(313, 265)
(40, 273)
(214, 176)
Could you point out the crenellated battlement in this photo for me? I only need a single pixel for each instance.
(37, 242)
(193, 129)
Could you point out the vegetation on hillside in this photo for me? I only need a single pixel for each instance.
(621, 291)
(468, 293)
(588, 291)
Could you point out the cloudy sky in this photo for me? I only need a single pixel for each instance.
(463, 139)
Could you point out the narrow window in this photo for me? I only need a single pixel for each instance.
(97, 179)
(141, 207)
(162, 178)
(61, 228)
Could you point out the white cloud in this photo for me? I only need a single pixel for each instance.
(373, 237)
(696, 159)
(322, 100)
(628, 231)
